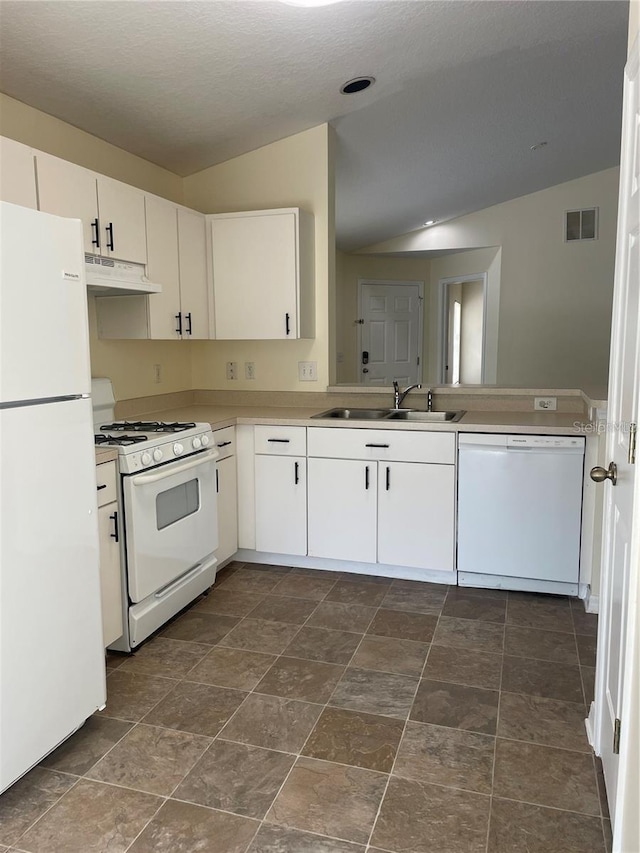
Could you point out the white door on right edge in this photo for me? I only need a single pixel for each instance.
(624, 377)
(391, 333)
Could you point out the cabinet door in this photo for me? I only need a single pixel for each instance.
(110, 578)
(69, 190)
(254, 262)
(227, 487)
(281, 504)
(342, 509)
(194, 281)
(122, 222)
(17, 173)
(416, 513)
(162, 267)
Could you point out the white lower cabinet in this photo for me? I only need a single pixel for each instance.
(281, 504)
(227, 489)
(342, 509)
(108, 534)
(416, 504)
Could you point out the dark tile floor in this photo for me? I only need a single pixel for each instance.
(293, 711)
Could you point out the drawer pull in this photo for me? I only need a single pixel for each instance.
(103, 486)
(115, 535)
(377, 445)
(223, 444)
(279, 440)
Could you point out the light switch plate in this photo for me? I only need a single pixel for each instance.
(308, 371)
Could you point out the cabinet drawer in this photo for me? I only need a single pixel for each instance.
(281, 441)
(106, 481)
(396, 445)
(225, 441)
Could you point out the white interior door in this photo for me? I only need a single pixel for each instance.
(391, 340)
(618, 621)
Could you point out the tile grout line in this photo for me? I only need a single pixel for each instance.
(495, 742)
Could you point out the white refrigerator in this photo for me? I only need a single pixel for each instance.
(52, 668)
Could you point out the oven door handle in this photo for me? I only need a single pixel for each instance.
(145, 479)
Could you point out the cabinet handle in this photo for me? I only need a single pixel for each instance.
(366, 477)
(217, 482)
(179, 321)
(377, 445)
(110, 243)
(188, 319)
(95, 227)
(223, 444)
(286, 324)
(115, 534)
(279, 440)
(296, 476)
(103, 486)
(388, 478)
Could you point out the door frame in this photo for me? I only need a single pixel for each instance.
(360, 321)
(443, 335)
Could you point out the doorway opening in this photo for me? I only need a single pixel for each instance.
(463, 330)
(390, 332)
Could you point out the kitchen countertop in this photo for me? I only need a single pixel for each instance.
(105, 454)
(536, 423)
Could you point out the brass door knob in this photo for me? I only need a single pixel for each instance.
(599, 475)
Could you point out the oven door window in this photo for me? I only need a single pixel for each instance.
(177, 503)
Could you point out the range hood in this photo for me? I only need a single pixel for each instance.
(106, 277)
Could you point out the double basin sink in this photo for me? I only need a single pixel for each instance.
(390, 415)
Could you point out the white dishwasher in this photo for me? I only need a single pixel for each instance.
(519, 511)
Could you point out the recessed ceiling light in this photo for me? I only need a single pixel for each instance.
(537, 145)
(431, 222)
(358, 84)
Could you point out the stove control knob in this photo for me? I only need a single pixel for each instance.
(177, 449)
(205, 440)
(197, 444)
(157, 454)
(146, 458)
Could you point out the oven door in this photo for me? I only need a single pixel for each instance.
(171, 521)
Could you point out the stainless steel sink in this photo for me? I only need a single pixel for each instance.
(354, 414)
(424, 417)
(390, 415)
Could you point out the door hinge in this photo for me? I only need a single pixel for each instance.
(616, 737)
(418, 360)
(633, 430)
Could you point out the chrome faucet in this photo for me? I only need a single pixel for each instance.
(398, 395)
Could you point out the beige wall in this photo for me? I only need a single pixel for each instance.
(349, 269)
(555, 297)
(472, 300)
(294, 172)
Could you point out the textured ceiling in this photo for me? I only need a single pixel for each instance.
(463, 90)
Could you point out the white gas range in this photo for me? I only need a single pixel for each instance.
(167, 500)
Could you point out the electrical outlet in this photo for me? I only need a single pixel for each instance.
(157, 374)
(545, 404)
(308, 371)
(249, 370)
(232, 370)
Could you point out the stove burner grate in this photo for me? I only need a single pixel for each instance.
(147, 426)
(119, 440)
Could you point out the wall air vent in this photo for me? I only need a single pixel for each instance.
(581, 224)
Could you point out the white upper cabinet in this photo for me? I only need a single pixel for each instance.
(65, 189)
(162, 245)
(122, 222)
(17, 173)
(263, 269)
(112, 213)
(194, 281)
